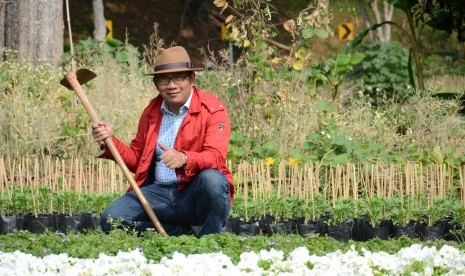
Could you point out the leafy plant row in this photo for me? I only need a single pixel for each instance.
(399, 210)
(156, 246)
(44, 200)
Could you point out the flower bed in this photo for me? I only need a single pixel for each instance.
(416, 258)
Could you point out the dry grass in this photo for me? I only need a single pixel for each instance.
(39, 117)
(452, 83)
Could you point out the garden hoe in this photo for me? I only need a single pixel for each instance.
(73, 81)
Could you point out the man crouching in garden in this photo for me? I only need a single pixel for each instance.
(178, 155)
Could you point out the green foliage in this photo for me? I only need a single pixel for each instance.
(24, 90)
(332, 146)
(446, 15)
(242, 147)
(281, 208)
(417, 267)
(458, 216)
(311, 209)
(44, 200)
(404, 209)
(438, 209)
(342, 211)
(87, 52)
(443, 64)
(383, 73)
(155, 246)
(375, 208)
(73, 126)
(334, 70)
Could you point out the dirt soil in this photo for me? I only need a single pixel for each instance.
(194, 24)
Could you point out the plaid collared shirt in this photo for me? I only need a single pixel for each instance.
(168, 130)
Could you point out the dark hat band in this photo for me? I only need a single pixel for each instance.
(177, 65)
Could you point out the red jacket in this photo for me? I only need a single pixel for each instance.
(203, 136)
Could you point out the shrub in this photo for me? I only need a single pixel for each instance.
(383, 73)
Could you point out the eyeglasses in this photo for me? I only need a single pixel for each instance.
(165, 81)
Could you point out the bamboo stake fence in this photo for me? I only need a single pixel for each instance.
(257, 179)
(77, 174)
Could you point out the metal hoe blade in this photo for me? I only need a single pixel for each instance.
(83, 75)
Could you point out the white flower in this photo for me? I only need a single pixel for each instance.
(450, 260)
(272, 255)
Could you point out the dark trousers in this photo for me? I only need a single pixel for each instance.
(204, 202)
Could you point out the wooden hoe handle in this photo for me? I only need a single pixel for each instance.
(73, 81)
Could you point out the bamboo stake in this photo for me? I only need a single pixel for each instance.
(333, 186)
(355, 182)
(49, 171)
(450, 186)
(284, 187)
(100, 175)
(313, 179)
(36, 173)
(112, 176)
(317, 178)
(462, 184)
(372, 180)
(407, 178)
(11, 166)
(246, 195)
(292, 180)
(27, 170)
(260, 184)
(268, 180)
(2, 175)
(90, 177)
(325, 183)
(392, 174)
(20, 176)
(51, 205)
(442, 187)
(239, 179)
(339, 183)
(346, 178)
(306, 183)
(34, 202)
(419, 188)
(378, 180)
(280, 179)
(254, 182)
(7, 187)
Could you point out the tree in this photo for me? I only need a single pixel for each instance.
(384, 32)
(33, 28)
(443, 15)
(447, 16)
(100, 30)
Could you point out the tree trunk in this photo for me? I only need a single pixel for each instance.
(384, 32)
(100, 29)
(33, 28)
(366, 18)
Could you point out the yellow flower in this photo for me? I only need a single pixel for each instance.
(294, 161)
(269, 161)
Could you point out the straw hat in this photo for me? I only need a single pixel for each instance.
(174, 59)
